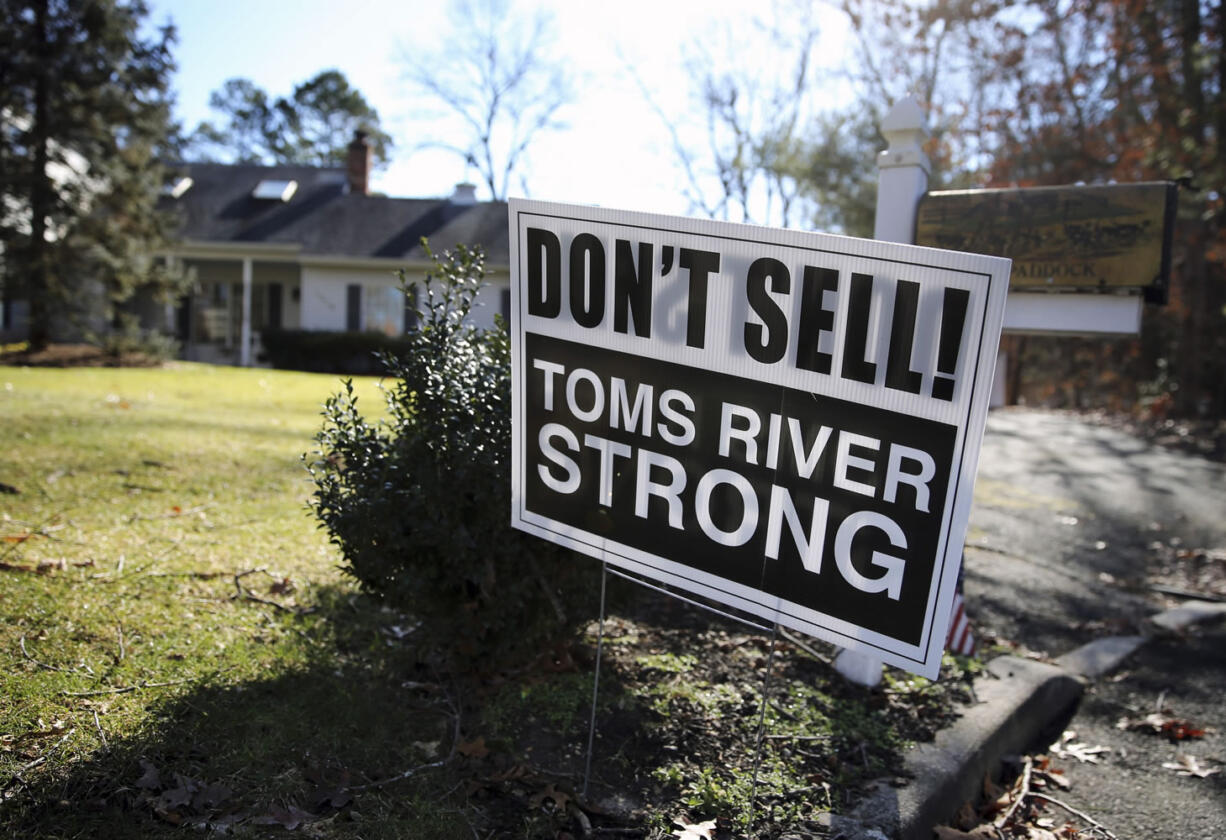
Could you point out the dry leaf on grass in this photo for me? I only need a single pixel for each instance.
(475, 748)
(285, 586)
(427, 748)
(694, 831)
(289, 817)
(559, 797)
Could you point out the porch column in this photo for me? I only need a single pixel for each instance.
(244, 334)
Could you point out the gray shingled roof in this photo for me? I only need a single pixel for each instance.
(325, 219)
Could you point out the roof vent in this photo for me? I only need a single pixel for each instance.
(465, 194)
(176, 187)
(274, 190)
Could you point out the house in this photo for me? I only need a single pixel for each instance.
(305, 247)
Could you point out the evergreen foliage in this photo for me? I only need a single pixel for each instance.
(312, 126)
(84, 121)
(419, 504)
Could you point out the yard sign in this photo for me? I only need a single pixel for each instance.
(786, 423)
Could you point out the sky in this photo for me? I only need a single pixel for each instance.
(615, 151)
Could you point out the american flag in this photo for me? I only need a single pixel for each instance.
(960, 639)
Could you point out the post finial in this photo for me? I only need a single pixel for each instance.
(905, 129)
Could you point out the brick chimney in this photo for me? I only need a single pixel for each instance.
(357, 165)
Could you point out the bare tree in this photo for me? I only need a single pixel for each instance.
(496, 74)
(750, 163)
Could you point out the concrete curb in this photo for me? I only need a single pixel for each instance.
(1016, 703)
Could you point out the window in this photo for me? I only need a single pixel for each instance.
(274, 190)
(177, 186)
(411, 316)
(377, 309)
(353, 307)
(383, 310)
(274, 306)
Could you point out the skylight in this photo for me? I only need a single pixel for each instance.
(274, 190)
(177, 187)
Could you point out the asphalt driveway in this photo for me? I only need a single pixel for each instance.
(1070, 523)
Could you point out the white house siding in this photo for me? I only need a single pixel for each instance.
(489, 302)
(325, 298)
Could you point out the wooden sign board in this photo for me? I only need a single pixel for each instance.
(785, 423)
(1103, 238)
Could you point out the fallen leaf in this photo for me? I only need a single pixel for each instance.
(181, 794)
(290, 817)
(398, 632)
(694, 831)
(967, 818)
(336, 797)
(15, 567)
(150, 780)
(1036, 833)
(516, 772)
(475, 748)
(560, 798)
(1056, 777)
(1067, 747)
(210, 796)
(1190, 765)
(1162, 723)
(427, 748)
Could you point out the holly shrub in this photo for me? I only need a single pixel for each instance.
(419, 503)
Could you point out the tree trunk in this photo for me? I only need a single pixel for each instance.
(38, 280)
(1192, 333)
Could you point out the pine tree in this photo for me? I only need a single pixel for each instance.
(312, 126)
(84, 122)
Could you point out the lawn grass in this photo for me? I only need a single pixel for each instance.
(166, 602)
(178, 648)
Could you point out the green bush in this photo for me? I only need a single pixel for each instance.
(128, 338)
(419, 504)
(324, 351)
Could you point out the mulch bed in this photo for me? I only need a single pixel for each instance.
(678, 732)
(75, 355)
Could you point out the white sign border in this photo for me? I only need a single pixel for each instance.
(924, 658)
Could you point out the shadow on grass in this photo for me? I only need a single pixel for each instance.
(307, 748)
(295, 750)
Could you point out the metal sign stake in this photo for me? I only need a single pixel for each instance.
(591, 729)
(757, 759)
